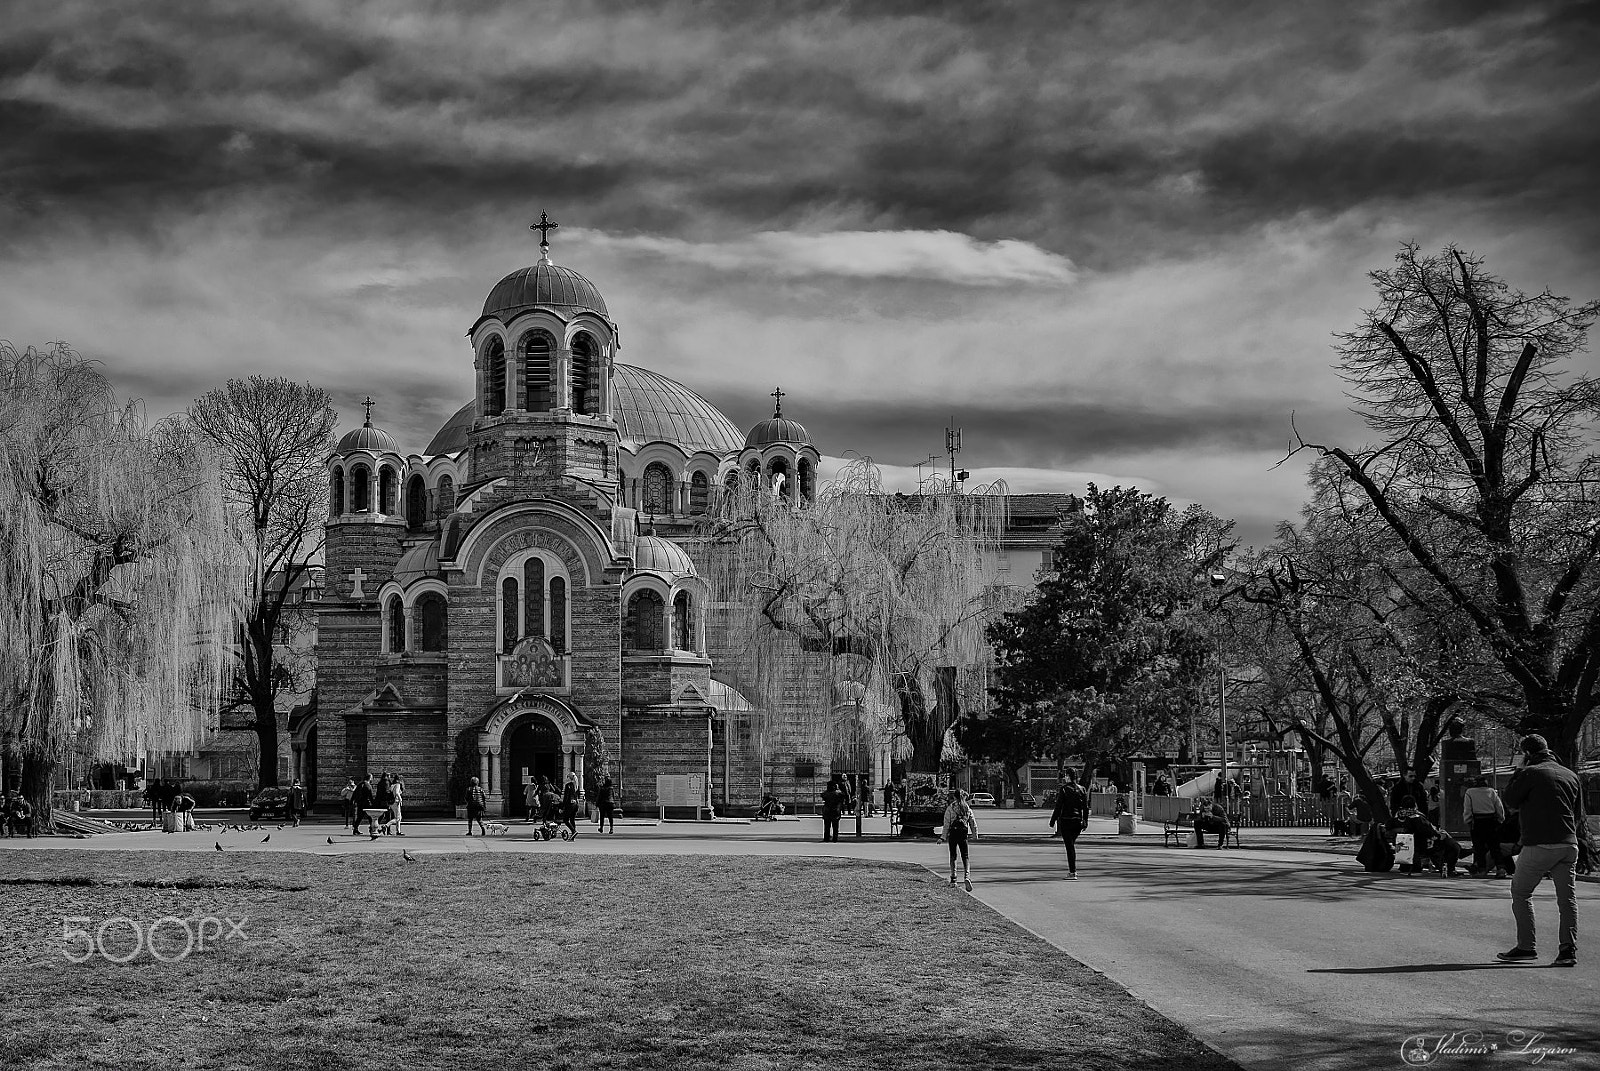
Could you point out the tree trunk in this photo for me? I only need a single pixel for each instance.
(38, 779)
(1553, 718)
(267, 749)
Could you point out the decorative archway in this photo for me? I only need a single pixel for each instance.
(562, 729)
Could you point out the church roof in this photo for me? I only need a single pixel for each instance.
(777, 429)
(660, 555)
(418, 563)
(648, 408)
(370, 438)
(652, 408)
(544, 285)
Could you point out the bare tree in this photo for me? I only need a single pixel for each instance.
(115, 564)
(272, 436)
(1485, 469)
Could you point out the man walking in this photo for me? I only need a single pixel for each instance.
(1548, 802)
(359, 802)
(1485, 812)
(297, 802)
(833, 800)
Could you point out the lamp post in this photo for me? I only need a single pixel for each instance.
(1222, 709)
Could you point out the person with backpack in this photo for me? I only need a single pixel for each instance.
(1070, 818)
(960, 825)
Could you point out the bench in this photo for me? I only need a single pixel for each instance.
(1179, 828)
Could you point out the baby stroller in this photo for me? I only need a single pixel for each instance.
(548, 829)
(770, 808)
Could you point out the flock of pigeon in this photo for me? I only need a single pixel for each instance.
(252, 828)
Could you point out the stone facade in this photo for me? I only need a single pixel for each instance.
(475, 620)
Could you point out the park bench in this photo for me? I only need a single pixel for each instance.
(1179, 828)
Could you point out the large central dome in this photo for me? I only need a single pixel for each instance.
(647, 407)
(543, 285)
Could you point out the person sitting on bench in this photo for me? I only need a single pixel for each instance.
(1210, 818)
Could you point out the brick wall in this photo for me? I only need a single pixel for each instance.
(655, 743)
(412, 745)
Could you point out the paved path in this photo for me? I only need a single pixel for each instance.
(1277, 958)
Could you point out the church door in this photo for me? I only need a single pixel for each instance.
(533, 750)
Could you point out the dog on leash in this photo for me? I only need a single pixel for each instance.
(496, 828)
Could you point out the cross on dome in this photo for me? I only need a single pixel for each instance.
(777, 410)
(544, 227)
(368, 403)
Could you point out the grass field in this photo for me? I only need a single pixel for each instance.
(554, 962)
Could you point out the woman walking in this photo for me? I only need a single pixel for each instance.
(397, 791)
(960, 824)
(569, 804)
(1069, 818)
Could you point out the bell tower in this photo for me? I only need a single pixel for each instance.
(544, 348)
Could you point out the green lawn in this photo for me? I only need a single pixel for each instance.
(554, 962)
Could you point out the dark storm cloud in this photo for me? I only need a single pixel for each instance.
(1104, 128)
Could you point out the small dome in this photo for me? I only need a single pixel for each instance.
(420, 562)
(368, 438)
(660, 555)
(544, 285)
(777, 429)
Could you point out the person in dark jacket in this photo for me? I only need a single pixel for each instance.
(477, 803)
(1211, 818)
(834, 798)
(1070, 818)
(1549, 803)
(297, 802)
(603, 803)
(359, 803)
(1406, 786)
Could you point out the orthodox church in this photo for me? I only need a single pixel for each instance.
(516, 600)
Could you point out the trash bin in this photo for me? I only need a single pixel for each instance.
(1125, 824)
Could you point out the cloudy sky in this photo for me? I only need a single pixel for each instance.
(1110, 240)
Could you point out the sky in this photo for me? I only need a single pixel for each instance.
(1111, 241)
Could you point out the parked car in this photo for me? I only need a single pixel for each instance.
(270, 803)
(1026, 799)
(982, 799)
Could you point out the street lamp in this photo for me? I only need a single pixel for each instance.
(1217, 580)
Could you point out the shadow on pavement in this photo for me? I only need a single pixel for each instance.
(1327, 882)
(1416, 968)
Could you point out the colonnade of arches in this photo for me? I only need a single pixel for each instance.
(366, 487)
(654, 622)
(777, 478)
(530, 379)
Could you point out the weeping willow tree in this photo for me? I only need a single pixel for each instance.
(860, 610)
(116, 572)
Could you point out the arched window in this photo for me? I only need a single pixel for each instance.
(558, 614)
(657, 488)
(777, 483)
(386, 490)
(336, 493)
(445, 498)
(682, 623)
(433, 628)
(646, 618)
(494, 377)
(808, 480)
(538, 393)
(585, 379)
(416, 502)
(397, 625)
(533, 608)
(360, 489)
(508, 614)
(699, 493)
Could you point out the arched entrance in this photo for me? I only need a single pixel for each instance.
(533, 750)
(556, 734)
